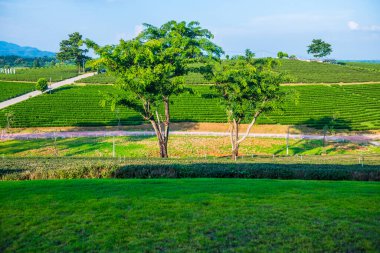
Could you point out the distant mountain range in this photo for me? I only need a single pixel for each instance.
(7, 49)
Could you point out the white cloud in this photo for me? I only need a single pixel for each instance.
(138, 29)
(352, 25)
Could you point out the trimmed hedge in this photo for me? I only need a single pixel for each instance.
(61, 168)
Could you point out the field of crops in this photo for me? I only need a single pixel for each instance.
(355, 107)
(191, 78)
(303, 72)
(315, 72)
(13, 89)
(33, 74)
(364, 65)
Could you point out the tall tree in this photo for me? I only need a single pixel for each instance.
(150, 69)
(318, 48)
(247, 88)
(70, 50)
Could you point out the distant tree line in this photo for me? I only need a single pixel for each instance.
(17, 61)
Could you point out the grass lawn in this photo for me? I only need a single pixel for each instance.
(187, 215)
(179, 147)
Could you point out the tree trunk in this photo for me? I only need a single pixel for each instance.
(234, 134)
(162, 132)
(162, 142)
(234, 139)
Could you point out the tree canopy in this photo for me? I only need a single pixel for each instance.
(150, 69)
(70, 50)
(247, 88)
(318, 48)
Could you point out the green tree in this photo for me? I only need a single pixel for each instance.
(150, 69)
(42, 84)
(36, 63)
(318, 48)
(70, 50)
(282, 55)
(247, 88)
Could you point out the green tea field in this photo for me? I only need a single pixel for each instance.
(301, 71)
(318, 105)
(33, 74)
(13, 89)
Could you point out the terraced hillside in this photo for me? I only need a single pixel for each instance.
(10, 90)
(33, 74)
(355, 107)
(303, 72)
(316, 72)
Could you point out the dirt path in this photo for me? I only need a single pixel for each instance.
(53, 86)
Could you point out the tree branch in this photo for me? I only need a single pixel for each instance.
(249, 127)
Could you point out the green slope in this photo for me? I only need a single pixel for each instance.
(10, 90)
(302, 71)
(355, 107)
(33, 74)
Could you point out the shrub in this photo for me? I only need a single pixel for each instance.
(42, 84)
(70, 168)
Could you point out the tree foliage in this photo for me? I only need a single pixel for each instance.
(150, 69)
(318, 48)
(70, 50)
(282, 55)
(42, 84)
(248, 87)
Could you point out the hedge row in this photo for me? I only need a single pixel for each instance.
(93, 168)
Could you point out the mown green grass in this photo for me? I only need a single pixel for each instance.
(179, 147)
(353, 107)
(33, 74)
(187, 215)
(10, 90)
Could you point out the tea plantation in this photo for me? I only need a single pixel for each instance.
(58, 73)
(303, 72)
(14, 89)
(353, 107)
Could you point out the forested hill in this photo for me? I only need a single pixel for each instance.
(7, 49)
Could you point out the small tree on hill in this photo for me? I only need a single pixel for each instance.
(42, 84)
(247, 87)
(150, 69)
(70, 50)
(282, 55)
(318, 48)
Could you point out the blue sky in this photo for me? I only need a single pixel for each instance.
(266, 27)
